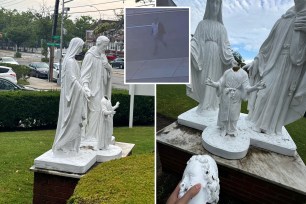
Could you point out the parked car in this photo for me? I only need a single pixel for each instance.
(8, 60)
(8, 73)
(7, 85)
(55, 71)
(39, 69)
(111, 57)
(119, 62)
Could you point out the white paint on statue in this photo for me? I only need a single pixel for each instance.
(96, 79)
(210, 56)
(106, 120)
(68, 132)
(85, 96)
(201, 169)
(281, 63)
(232, 88)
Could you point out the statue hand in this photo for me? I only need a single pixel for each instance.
(209, 82)
(260, 85)
(87, 92)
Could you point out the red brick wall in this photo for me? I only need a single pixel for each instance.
(51, 189)
(236, 184)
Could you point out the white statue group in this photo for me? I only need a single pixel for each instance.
(277, 74)
(85, 99)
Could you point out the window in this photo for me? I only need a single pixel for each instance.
(3, 70)
(6, 85)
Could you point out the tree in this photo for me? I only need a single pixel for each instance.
(18, 34)
(82, 24)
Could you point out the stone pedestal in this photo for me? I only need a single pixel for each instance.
(235, 147)
(53, 181)
(260, 177)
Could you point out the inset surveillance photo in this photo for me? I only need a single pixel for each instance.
(157, 45)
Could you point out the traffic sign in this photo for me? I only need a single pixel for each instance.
(53, 44)
(56, 37)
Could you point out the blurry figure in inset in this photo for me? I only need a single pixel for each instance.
(158, 32)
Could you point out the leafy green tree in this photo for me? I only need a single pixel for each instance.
(82, 24)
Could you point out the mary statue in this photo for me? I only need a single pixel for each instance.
(68, 131)
(210, 55)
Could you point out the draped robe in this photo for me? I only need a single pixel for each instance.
(210, 57)
(281, 65)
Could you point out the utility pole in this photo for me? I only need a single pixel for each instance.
(51, 60)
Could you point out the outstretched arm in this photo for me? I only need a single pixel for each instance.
(211, 83)
(260, 85)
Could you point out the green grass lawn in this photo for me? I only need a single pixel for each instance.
(172, 101)
(19, 149)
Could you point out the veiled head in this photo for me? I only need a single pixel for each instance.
(75, 47)
(213, 10)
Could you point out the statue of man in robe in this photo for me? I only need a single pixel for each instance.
(281, 63)
(96, 79)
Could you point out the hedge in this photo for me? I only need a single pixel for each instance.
(22, 71)
(127, 180)
(39, 109)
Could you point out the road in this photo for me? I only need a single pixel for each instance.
(118, 74)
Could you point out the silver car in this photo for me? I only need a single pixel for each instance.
(8, 60)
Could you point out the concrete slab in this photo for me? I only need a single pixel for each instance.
(198, 121)
(78, 164)
(111, 153)
(207, 121)
(229, 147)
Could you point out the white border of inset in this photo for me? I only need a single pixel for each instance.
(159, 7)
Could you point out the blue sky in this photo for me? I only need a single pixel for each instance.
(248, 22)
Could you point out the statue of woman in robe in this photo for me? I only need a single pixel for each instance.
(281, 63)
(68, 132)
(210, 56)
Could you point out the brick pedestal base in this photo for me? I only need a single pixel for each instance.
(52, 189)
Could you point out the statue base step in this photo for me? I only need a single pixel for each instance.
(198, 121)
(84, 160)
(207, 121)
(78, 164)
(111, 153)
(229, 147)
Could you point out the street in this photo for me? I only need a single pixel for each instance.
(26, 58)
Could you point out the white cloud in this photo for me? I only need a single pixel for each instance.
(248, 22)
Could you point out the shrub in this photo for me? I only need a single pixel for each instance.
(126, 180)
(45, 60)
(17, 55)
(22, 71)
(39, 109)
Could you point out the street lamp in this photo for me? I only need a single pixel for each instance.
(61, 44)
(97, 10)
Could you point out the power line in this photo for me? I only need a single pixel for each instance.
(13, 3)
(94, 11)
(95, 4)
(8, 2)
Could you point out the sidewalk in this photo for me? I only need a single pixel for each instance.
(42, 84)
